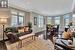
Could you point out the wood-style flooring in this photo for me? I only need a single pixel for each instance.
(38, 44)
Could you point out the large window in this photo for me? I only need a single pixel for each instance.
(48, 20)
(14, 20)
(40, 21)
(66, 20)
(73, 19)
(17, 19)
(20, 20)
(57, 20)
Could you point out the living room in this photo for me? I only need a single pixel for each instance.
(26, 25)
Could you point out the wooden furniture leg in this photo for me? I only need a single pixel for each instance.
(20, 43)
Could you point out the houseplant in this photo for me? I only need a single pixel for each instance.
(30, 26)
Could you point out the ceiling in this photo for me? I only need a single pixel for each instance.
(4, 13)
(45, 7)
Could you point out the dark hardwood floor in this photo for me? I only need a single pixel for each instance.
(2, 46)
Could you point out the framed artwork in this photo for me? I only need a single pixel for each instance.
(35, 20)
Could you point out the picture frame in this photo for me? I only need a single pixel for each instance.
(35, 20)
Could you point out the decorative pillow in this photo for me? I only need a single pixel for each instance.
(21, 30)
(26, 29)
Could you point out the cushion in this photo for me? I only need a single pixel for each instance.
(20, 30)
(26, 29)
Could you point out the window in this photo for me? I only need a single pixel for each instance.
(66, 18)
(57, 20)
(73, 19)
(48, 20)
(20, 20)
(40, 21)
(17, 18)
(14, 20)
(66, 22)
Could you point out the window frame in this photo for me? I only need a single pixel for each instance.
(18, 15)
(49, 20)
(56, 20)
(66, 19)
(40, 21)
(19, 19)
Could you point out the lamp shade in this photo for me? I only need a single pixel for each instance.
(3, 20)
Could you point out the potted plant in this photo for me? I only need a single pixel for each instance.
(30, 26)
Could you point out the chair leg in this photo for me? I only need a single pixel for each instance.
(34, 37)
